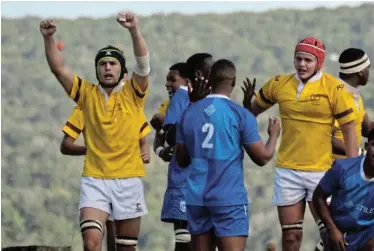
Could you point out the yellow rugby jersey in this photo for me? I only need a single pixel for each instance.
(307, 115)
(111, 128)
(144, 126)
(75, 124)
(164, 107)
(359, 111)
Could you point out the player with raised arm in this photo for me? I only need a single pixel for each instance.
(72, 129)
(309, 102)
(211, 136)
(111, 182)
(354, 73)
(177, 77)
(349, 218)
(174, 206)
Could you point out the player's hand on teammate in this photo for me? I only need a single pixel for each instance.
(156, 122)
(249, 92)
(274, 127)
(48, 27)
(166, 154)
(198, 89)
(336, 240)
(127, 19)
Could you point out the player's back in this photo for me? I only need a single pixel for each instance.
(213, 131)
(352, 205)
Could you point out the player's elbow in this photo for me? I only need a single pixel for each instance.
(64, 149)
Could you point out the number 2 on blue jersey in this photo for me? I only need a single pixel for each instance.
(209, 129)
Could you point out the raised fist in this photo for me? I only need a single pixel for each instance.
(127, 19)
(48, 27)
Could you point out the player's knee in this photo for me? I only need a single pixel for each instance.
(182, 236)
(126, 242)
(293, 233)
(91, 244)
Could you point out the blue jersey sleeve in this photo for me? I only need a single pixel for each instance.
(249, 133)
(331, 181)
(180, 138)
(176, 107)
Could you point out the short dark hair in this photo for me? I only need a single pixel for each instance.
(223, 69)
(371, 135)
(182, 68)
(196, 62)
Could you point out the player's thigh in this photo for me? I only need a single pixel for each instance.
(110, 235)
(204, 241)
(231, 226)
(94, 210)
(291, 217)
(233, 243)
(127, 199)
(288, 188)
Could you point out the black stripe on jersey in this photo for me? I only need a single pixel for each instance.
(77, 95)
(143, 127)
(264, 98)
(136, 91)
(343, 114)
(72, 127)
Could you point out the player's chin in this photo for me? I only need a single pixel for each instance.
(109, 82)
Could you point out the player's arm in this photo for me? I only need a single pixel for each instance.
(343, 112)
(337, 145)
(367, 126)
(68, 147)
(145, 150)
(182, 155)
(54, 58)
(173, 114)
(328, 184)
(142, 68)
(265, 98)
(145, 129)
(258, 152)
(72, 129)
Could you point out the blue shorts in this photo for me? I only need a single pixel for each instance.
(225, 220)
(357, 240)
(174, 207)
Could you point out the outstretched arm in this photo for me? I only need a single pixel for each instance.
(54, 59)
(142, 68)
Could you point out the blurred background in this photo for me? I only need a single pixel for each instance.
(40, 187)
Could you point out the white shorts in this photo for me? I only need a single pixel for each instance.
(291, 186)
(121, 198)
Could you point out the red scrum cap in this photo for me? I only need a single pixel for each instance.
(314, 47)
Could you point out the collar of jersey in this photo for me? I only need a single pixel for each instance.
(116, 89)
(363, 176)
(183, 87)
(351, 89)
(217, 96)
(316, 77)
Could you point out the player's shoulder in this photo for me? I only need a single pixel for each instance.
(281, 79)
(349, 165)
(332, 82)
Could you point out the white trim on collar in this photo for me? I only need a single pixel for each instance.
(217, 96)
(363, 176)
(183, 87)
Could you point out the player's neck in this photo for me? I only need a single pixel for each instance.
(368, 169)
(351, 82)
(108, 90)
